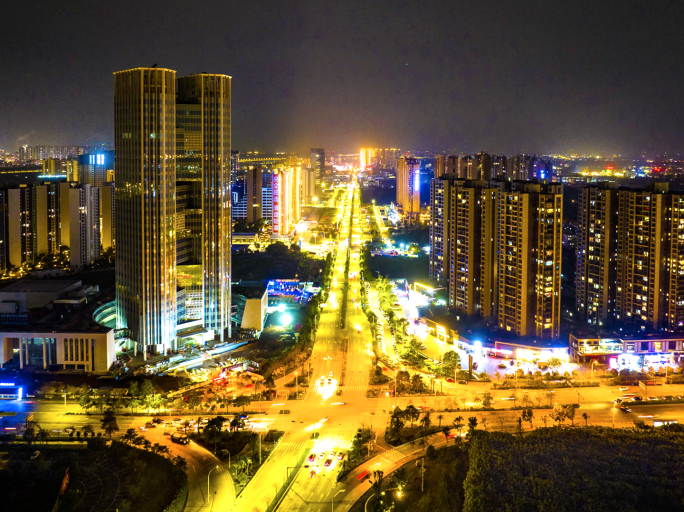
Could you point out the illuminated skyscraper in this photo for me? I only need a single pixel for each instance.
(408, 187)
(595, 271)
(145, 145)
(529, 258)
(318, 161)
(208, 97)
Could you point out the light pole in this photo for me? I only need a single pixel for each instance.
(208, 475)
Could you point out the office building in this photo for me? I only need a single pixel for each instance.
(145, 146)
(68, 168)
(96, 169)
(596, 266)
(234, 166)
(318, 161)
(308, 186)
(408, 188)
(209, 95)
(529, 258)
(107, 216)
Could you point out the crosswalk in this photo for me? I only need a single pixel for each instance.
(325, 444)
(393, 455)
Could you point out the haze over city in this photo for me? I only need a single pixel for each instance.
(537, 77)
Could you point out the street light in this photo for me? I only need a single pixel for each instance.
(208, 475)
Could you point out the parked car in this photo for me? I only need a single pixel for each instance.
(463, 382)
(450, 379)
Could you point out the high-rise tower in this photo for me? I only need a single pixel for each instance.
(145, 142)
(208, 96)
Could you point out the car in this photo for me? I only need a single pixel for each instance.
(512, 363)
(449, 379)
(637, 399)
(328, 462)
(423, 347)
(340, 456)
(617, 401)
(321, 455)
(623, 388)
(312, 473)
(329, 381)
(158, 421)
(463, 382)
(149, 424)
(311, 457)
(669, 397)
(501, 365)
(624, 408)
(359, 331)
(143, 428)
(330, 374)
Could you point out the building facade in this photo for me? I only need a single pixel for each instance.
(210, 95)
(145, 145)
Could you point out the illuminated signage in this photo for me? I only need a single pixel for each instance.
(276, 204)
(6, 383)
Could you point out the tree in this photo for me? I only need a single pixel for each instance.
(417, 384)
(498, 376)
(146, 388)
(527, 416)
(558, 415)
(129, 436)
(88, 429)
(585, 417)
(194, 399)
(439, 419)
(425, 421)
(554, 362)
(31, 432)
(472, 424)
(446, 430)
(133, 389)
(134, 404)
(108, 423)
(242, 401)
(514, 397)
(451, 359)
(42, 435)
(487, 399)
(85, 402)
(570, 413)
(400, 478)
(269, 382)
(458, 424)
(412, 413)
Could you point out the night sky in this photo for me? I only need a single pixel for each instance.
(536, 76)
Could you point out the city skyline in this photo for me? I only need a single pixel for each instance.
(517, 78)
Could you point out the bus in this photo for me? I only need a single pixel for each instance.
(179, 438)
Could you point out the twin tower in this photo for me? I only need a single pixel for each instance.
(150, 104)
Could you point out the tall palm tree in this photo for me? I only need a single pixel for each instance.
(439, 419)
(425, 421)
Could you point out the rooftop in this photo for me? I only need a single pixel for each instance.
(40, 286)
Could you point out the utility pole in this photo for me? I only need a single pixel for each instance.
(422, 475)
